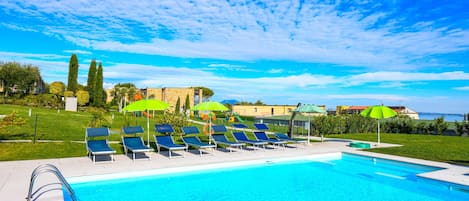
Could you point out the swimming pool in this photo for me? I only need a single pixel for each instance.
(335, 177)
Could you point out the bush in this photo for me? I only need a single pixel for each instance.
(176, 120)
(98, 119)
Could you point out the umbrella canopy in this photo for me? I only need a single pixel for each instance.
(146, 105)
(378, 112)
(210, 106)
(309, 108)
(143, 105)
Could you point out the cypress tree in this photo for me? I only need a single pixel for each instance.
(178, 106)
(187, 105)
(98, 89)
(72, 73)
(91, 79)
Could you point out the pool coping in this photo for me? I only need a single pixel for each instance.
(14, 175)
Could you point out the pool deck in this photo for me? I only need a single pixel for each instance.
(15, 175)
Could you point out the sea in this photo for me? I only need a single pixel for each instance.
(448, 117)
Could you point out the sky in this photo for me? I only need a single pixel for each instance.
(411, 53)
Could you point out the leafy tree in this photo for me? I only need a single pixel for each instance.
(57, 88)
(72, 73)
(68, 94)
(83, 97)
(259, 102)
(440, 125)
(123, 92)
(91, 78)
(19, 78)
(178, 106)
(206, 92)
(98, 89)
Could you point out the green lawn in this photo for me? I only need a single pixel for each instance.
(450, 149)
(70, 126)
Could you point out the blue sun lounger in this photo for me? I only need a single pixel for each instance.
(167, 142)
(134, 143)
(240, 136)
(98, 147)
(262, 136)
(196, 143)
(221, 139)
(282, 136)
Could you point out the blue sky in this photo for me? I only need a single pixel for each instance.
(411, 53)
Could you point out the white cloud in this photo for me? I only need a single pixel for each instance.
(78, 51)
(464, 88)
(404, 77)
(376, 97)
(284, 30)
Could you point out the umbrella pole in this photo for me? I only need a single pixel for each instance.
(209, 129)
(148, 129)
(309, 130)
(378, 133)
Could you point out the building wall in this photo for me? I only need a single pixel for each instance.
(263, 110)
(170, 95)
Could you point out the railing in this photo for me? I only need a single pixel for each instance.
(48, 168)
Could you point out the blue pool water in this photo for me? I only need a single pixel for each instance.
(350, 177)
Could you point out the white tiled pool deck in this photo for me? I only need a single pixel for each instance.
(15, 175)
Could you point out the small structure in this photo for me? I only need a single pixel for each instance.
(71, 104)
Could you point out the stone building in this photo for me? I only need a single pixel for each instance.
(265, 110)
(169, 95)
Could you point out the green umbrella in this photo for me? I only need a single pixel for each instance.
(149, 104)
(146, 105)
(309, 108)
(378, 112)
(210, 106)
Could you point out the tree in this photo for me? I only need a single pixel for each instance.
(57, 88)
(123, 92)
(177, 109)
(83, 97)
(91, 78)
(187, 105)
(68, 94)
(73, 73)
(98, 89)
(17, 78)
(206, 92)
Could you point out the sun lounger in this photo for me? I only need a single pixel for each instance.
(261, 126)
(165, 129)
(219, 129)
(221, 139)
(240, 136)
(196, 143)
(282, 136)
(239, 126)
(167, 142)
(134, 143)
(262, 136)
(190, 130)
(98, 147)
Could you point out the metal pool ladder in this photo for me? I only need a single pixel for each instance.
(48, 168)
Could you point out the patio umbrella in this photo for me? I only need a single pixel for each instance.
(210, 106)
(146, 105)
(309, 108)
(378, 112)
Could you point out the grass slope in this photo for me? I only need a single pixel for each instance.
(450, 149)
